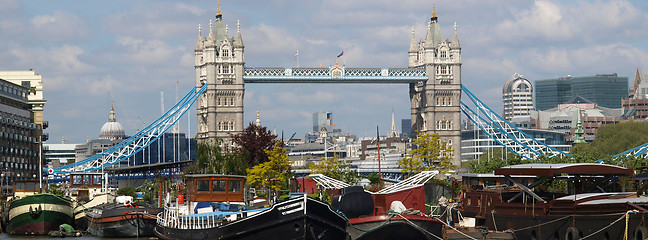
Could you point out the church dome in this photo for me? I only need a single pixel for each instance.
(112, 129)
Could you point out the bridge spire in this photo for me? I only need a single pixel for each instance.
(218, 12)
(413, 48)
(393, 132)
(455, 39)
(238, 42)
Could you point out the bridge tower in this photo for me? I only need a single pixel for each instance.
(436, 102)
(219, 63)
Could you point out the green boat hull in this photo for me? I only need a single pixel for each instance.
(39, 214)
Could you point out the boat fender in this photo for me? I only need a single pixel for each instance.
(641, 233)
(572, 233)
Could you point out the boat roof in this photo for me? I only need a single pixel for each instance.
(637, 200)
(582, 196)
(552, 169)
(490, 175)
(213, 175)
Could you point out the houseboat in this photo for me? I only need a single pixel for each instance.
(86, 189)
(215, 209)
(557, 201)
(122, 218)
(33, 212)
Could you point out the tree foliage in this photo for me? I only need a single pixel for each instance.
(253, 142)
(614, 138)
(212, 159)
(272, 173)
(428, 153)
(336, 168)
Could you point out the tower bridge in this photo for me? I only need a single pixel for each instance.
(433, 76)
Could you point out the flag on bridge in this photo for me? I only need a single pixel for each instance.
(340, 55)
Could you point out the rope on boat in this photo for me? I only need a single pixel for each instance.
(456, 230)
(609, 225)
(417, 226)
(493, 215)
(559, 219)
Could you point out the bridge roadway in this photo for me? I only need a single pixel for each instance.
(334, 75)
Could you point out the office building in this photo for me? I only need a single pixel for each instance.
(606, 90)
(34, 83)
(20, 136)
(517, 97)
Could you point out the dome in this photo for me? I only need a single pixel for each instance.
(517, 84)
(112, 129)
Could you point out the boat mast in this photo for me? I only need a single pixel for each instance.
(378, 143)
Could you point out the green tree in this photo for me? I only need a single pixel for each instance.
(273, 173)
(428, 153)
(612, 139)
(212, 159)
(496, 158)
(127, 191)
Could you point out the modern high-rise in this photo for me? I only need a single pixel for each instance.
(34, 83)
(20, 136)
(323, 121)
(517, 95)
(605, 90)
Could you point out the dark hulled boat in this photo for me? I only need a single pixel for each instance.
(371, 215)
(595, 207)
(122, 219)
(294, 219)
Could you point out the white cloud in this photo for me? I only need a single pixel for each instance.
(58, 27)
(146, 51)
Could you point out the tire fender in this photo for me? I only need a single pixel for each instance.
(572, 233)
(640, 233)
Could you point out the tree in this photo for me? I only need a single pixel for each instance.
(253, 142)
(272, 173)
(428, 153)
(612, 139)
(212, 159)
(495, 158)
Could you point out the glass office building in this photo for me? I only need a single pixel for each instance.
(605, 90)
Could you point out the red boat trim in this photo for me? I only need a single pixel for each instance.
(382, 218)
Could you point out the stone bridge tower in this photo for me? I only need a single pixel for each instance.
(219, 63)
(436, 102)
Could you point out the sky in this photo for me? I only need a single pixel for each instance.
(92, 53)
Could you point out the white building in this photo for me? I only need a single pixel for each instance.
(517, 95)
(34, 83)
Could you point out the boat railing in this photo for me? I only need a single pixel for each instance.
(171, 218)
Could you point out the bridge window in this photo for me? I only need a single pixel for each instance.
(438, 101)
(444, 54)
(218, 101)
(225, 52)
(220, 126)
(232, 101)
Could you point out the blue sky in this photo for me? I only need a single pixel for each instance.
(93, 52)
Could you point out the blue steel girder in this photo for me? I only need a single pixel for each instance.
(328, 75)
(138, 141)
(509, 135)
(636, 151)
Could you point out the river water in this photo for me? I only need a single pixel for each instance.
(4, 236)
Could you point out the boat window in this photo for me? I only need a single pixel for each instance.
(202, 185)
(30, 186)
(76, 179)
(20, 186)
(97, 179)
(86, 179)
(489, 182)
(218, 185)
(234, 186)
